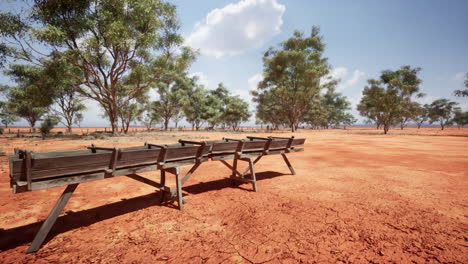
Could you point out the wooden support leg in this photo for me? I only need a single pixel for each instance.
(49, 222)
(248, 168)
(252, 172)
(288, 163)
(179, 189)
(163, 183)
(234, 167)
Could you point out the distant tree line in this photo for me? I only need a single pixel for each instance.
(390, 101)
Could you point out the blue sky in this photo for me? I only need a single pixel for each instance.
(362, 39)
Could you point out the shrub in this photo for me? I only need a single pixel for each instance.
(1, 130)
(49, 123)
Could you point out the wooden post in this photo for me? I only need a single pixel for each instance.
(49, 222)
(252, 173)
(179, 189)
(163, 183)
(27, 159)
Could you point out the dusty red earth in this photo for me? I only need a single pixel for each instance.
(358, 197)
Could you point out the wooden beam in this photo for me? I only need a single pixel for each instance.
(289, 164)
(49, 222)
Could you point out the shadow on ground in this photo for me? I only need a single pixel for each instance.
(14, 237)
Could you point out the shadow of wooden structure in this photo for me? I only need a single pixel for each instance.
(35, 171)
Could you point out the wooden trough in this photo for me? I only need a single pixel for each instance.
(35, 171)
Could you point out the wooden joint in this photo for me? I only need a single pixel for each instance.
(288, 146)
(162, 153)
(28, 167)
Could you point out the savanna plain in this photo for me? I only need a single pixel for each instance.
(358, 197)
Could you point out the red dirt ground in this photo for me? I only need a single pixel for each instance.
(358, 197)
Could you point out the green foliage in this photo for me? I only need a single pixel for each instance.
(421, 114)
(292, 76)
(129, 113)
(7, 116)
(172, 96)
(48, 124)
(78, 119)
(116, 50)
(236, 112)
(463, 93)
(460, 118)
(150, 115)
(442, 111)
(387, 101)
(32, 96)
(197, 110)
(335, 106)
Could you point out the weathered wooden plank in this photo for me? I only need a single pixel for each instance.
(298, 142)
(254, 145)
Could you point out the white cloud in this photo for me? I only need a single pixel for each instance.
(237, 27)
(254, 80)
(341, 74)
(338, 73)
(356, 77)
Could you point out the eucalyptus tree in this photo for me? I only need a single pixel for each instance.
(67, 103)
(317, 116)
(464, 92)
(172, 96)
(32, 97)
(380, 104)
(236, 112)
(421, 115)
(7, 116)
(347, 120)
(388, 100)
(442, 111)
(116, 49)
(460, 118)
(267, 111)
(129, 113)
(219, 99)
(196, 109)
(292, 74)
(178, 116)
(410, 111)
(150, 116)
(335, 106)
(70, 107)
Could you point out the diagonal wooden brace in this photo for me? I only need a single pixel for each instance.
(49, 222)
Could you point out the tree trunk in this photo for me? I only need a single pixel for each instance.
(114, 126)
(386, 127)
(32, 124)
(419, 126)
(166, 124)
